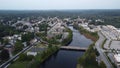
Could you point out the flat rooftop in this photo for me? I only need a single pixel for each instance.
(115, 45)
(117, 57)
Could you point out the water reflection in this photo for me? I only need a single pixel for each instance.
(68, 59)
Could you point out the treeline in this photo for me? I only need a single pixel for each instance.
(6, 30)
(88, 60)
(29, 61)
(111, 17)
(91, 35)
(40, 58)
(67, 40)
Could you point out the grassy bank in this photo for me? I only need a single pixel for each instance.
(88, 60)
(69, 38)
(104, 43)
(40, 58)
(91, 35)
(35, 61)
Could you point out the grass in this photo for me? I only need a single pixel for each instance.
(113, 64)
(88, 57)
(110, 43)
(90, 54)
(69, 37)
(104, 43)
(41, 57)
(79, 66)
(19, 64)
(91, 35)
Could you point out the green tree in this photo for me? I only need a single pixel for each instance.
(4, 55)
(22, 57)
(25, 27)
(97, 53)
(27, 37)
(18, 46)
(43, 27)
(5, 41)
(25, 57)
(102, 65)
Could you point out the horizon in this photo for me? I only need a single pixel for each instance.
(58, 4)
(53, 9)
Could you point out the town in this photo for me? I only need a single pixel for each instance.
(25, 38)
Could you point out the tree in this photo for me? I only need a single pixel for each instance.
(5, 41)
(4, 54)
(43, 27)
(25, 27)
(18, 46)
(102, 65)
(30, 57)
(97, 53)
(25, 57)
(27, 37)
(22, 57)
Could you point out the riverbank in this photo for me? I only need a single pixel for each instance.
(91, 54)
(68, 40)
(88, 60)
(91, 35)
(36, 60)
(42, 56)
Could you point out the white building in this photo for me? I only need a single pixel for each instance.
(32, 53)
(117, 59)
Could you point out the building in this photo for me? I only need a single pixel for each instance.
(117, 59)
(32, 53)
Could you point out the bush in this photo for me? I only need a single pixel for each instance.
(24, 57)
(4, 55)
(30, 57)
(88, 57)
(102, 65)
(69, 38)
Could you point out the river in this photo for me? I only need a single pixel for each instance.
(67, 58)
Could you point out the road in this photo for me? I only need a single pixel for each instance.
(73, 48)
(16, 56)
(101, 51)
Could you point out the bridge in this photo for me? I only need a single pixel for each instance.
(75, 48)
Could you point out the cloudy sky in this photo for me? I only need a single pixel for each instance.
(58, 4)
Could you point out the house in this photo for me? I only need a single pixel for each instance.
(117, 59)
(32, 53)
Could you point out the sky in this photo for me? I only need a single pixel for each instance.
(58, 4)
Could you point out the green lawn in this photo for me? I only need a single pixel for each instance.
(19, 64)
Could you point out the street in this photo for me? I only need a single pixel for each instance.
(16, 56)
(101, 51)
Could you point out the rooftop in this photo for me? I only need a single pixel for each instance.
(117, 57)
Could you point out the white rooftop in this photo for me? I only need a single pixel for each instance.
(117, 57)
(32, 53)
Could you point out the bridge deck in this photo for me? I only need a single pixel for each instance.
(73, 48)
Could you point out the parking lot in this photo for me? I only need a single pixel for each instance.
(115, 45)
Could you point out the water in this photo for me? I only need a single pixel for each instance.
(66, 58)
(63, 59)
(79, 39)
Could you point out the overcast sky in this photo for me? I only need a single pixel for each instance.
(58, 4)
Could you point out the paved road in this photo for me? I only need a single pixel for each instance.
(101, 51)
(16, 56)
(106, 45)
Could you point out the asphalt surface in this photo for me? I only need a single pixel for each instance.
(101, 51)
(15, 57)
